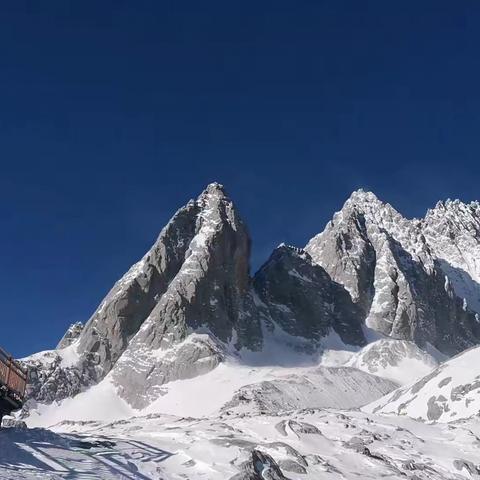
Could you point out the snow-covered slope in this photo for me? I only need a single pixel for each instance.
(321, 387)
(450, 392)
(398, 360)
(248, 384)
(305, 444)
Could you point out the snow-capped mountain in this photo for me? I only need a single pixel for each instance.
(366, 316)
(397, 270)
(195, 276)
(190, 302)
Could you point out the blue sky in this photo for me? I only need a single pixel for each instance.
(114, 114)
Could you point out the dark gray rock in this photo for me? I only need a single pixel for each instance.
(134, 296)
(468, 466)
(194, 278)
(261, 467)
(49, 380)
(436, 406)
(302, 298)
(297, 427)
(444, 382)
(459, 392)
(13, 423)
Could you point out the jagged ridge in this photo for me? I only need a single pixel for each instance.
(190, 299)
(398, 273)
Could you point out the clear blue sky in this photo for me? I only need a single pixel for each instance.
(114, 114)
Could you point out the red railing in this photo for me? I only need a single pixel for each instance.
(12, 375)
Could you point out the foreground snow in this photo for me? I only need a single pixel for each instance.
(292, 409)
(307, 444)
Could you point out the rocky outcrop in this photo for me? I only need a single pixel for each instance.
(452, 230)
(53, 377)
(209, 289)
(210, 293)
(302, 298)
(261, 466)
(71, 335)
(134, 296)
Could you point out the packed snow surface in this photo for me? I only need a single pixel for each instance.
(448, 393)
(308, 444)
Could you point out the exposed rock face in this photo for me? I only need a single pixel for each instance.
(51, 378)
(72, 334)
(302, 298)
(209, 293)
(133, 297)
(194, 278)
(452, 230)
(393, 273)
(345, 251)
(141, 371)
(209, 289)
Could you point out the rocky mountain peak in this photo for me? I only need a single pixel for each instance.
(213, 197)
(455, 211)
(214, 188)
(367, 205)
(284, 249)
(393, 268)
(208, 294)
(362, 197)
(190, 300)
(195, 277)
(362, 217)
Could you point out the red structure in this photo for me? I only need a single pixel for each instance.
(13, 383)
